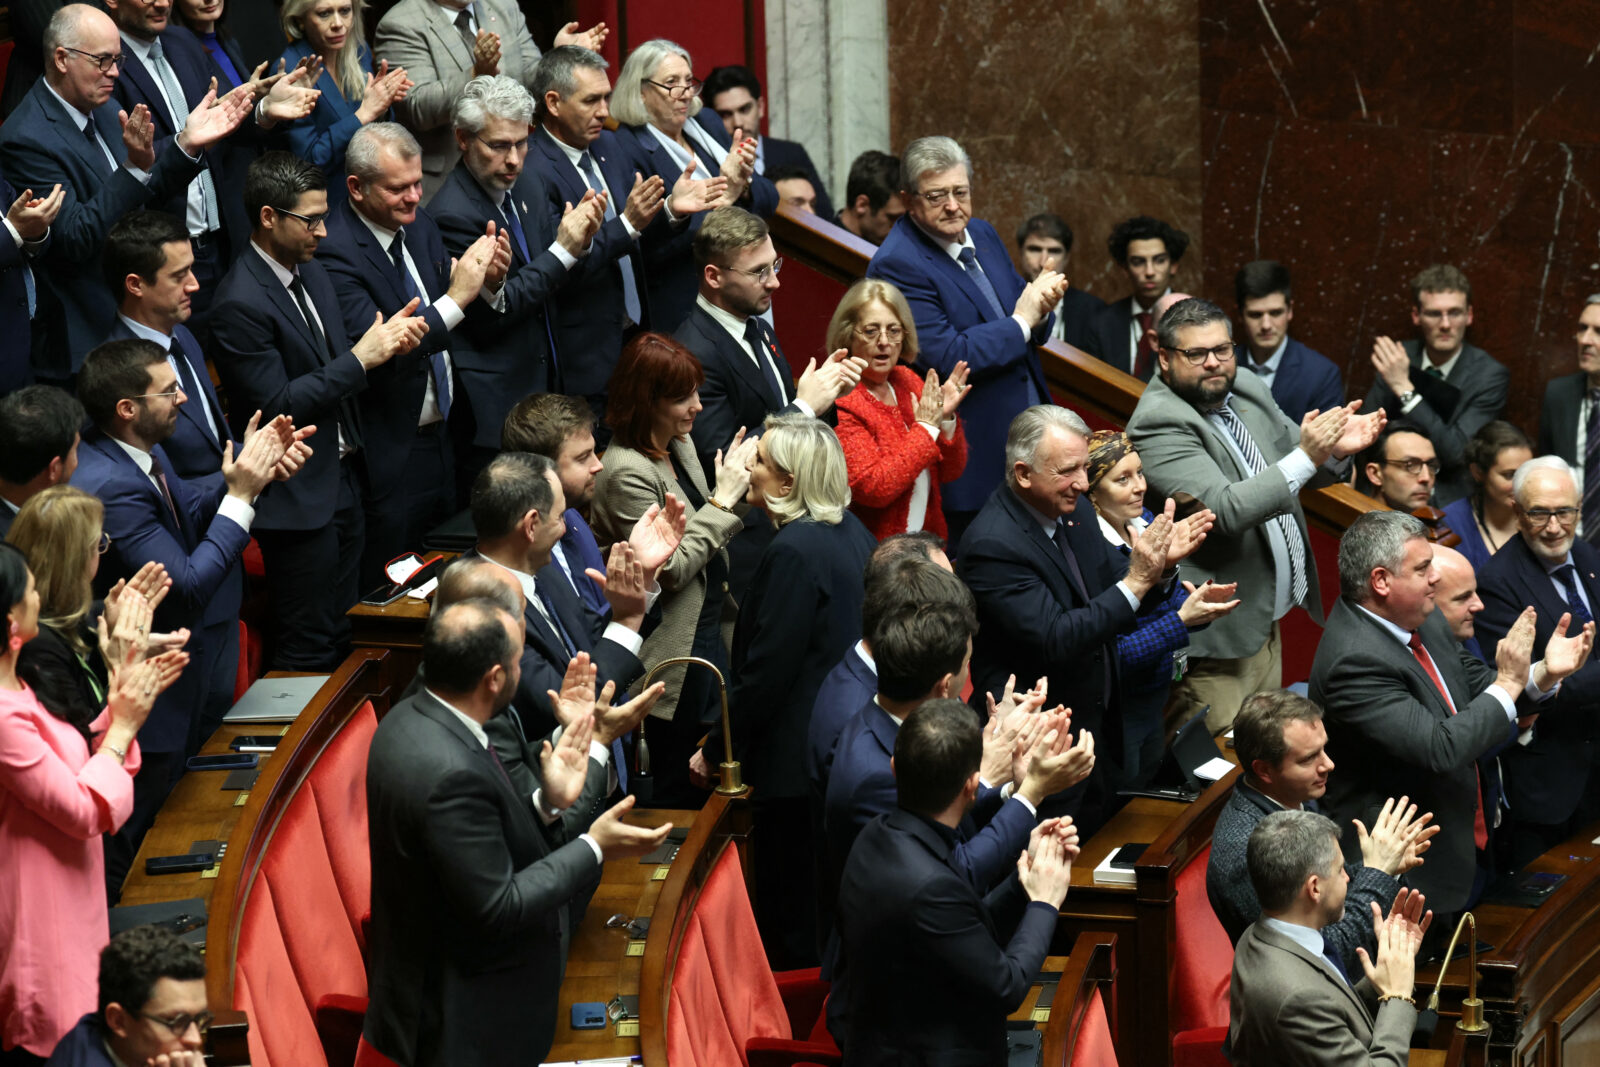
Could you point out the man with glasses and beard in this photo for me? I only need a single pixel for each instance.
(1222, 439)
(152, 1006)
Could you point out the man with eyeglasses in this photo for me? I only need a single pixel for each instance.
(1448, 387)
(1551, 781)
(1206, 430)
(152, 1006)
(970, 305)
(69, 132)
(1400, 468)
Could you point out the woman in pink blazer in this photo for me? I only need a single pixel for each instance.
(58, 794)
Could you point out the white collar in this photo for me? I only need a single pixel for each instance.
(1049, 525)
(284, 275)
(886, 711)
(1110, 532)
(1398, 633)
(148, 333)
(1140, 309)
(78, 116)
(952, 249)
(140, 48)
(866, 657)
(726, 319)
(1551, 568)
(145, 461)
(385, 237)
(468, 721)
(1304, 936)
(1270, 364)
(573, 154)
(1447, 366)
(530, 588)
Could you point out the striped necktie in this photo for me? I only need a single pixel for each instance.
(1257, 463)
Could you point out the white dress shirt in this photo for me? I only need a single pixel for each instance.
(287, 277)
(735, 327)
(178, 111)
(628, 639)
(232, 508)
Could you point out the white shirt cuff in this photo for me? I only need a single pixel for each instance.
(933, 431)
(192, 159)
(1533, 692)
(13, 231)
(1133, 601)
(568, 260)
(140, 176)
(238, 511)
(1297, 468)
(628, 639)
(495, 298)
(1023, 325)
(1409, 404)
(599, 753)
(628, 225)
(546, 813)
(652, 595)
(805, 409)
(450, 312)
(947, 427)
(1505, 700)
(600, 857)
(1024, 802)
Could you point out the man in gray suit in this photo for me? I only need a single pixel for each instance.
(1452, 392)
(1569, 421)
(1203, 432)
(443, 44)
(1290, 1000)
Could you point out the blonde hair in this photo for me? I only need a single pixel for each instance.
(58, 529)
(348, 75)
(856, 298)
(806, 449)
(627, 97)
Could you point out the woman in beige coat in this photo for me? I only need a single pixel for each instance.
(652, 401)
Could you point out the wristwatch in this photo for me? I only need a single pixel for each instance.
(1406, 397)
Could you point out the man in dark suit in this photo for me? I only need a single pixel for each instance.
(197, 529)
(1045, 241)
(1301, 378)
(747, 375)
(1569, 421)
(1282, 747)
(925, 969)
(1148, 251)
(1400, 468)
(734, 95)
(471, 878)
(27, 225)
(1050, 603)
(281, 348)
(872, 196)
(67, 132)
(512, 354)
(1550, 777)
(382, 251)
(152, 1004)
(1408, 710)
(1440, 382)
(38, 444)
(970, 306)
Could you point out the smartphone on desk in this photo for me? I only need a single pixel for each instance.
(235, 761)
(255, 742)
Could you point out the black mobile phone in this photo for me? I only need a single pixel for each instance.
(1127, 856)
(191, 861)
(255, 742)
(1542, 883)
(223, 762)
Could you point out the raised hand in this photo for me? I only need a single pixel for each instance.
(500, 263)
(644, 200)
(1207, 602)
(999, 743)
(1045, 870)
(469, 273)
(289, 96)
(1398, 838)
(384, 88)
(32, 215)
(125, 639)
(1320, 432)
(251, 469)
(1514, 654)
(613, 721)
(579, 224)
(564, 767)
(1360, 431)
(592, 38)
(1147, 559)
(820, 386)
(1398, 938)
(624, 585)
(152, 582)
(385, 339)
(738, 167)
(691, 195)
(930, 405)
(138, 137)
(618, 840)
(295, 456)
(1563, 655)
(1040, 296)
(732, 472)
(212, 120)
(954, 390)
(1055, 764)
(1188, 534)
(656, 535)
(486, 54)
(1010, 702)
(577, 695)
(1389, 359)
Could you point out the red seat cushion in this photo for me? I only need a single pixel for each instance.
(1200, 1048)
(1093, 1047)
(339, 781)
(367, 1056)
(282, 1030)
(1202, 961)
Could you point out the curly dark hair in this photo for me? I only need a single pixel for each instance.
(1145, 228)
(138, 958)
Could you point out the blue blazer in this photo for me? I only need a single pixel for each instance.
(781, 153)
(201, 556)
(1461, 518)
(512, 353)
(322, 136)
(192, 449)
(847, 689)
(955, 322)
(582, 551)
(41, 146)
(1305, 380)
(591, 313)
(16, 366)
(268, 360)
(82, 1046)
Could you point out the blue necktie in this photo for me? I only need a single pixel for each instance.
(191, 386)
(514, 224)
(630, 287)
(969, 261)
(408, 285)
(1336, 963)
(1568, 577)
(1591, 470)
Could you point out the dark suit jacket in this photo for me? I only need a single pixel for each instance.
(82, 1046)
(800, 614)
(929, 969)
(41, 146)
(16, 366)
(1450, 411)
(848, 688)
(469, 899)
(1076, 314)
(1391, 733)
(1559, 417)
(1109, 339)
(1305, 380)
(581, 551)
(192, 450)
(508, 355)
(1233, 898)
(201, 554)
(781, 153)
(591, 314)
(1544, 779)
(956, 322)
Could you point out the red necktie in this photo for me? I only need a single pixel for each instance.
(1146, 353)
(1480, 828)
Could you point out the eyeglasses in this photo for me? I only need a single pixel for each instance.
(104, 62)
(871, 333)
(105, 544)
(1542, 516)
(179, 1024)
(1414, 466)
(1198, 356)
(175, 391)
(501, 148)
(935, 197)
(764, 274)
(1450, 314)
(677, 90)
(312, 221)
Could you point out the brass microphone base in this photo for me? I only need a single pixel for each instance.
(732, 783)
(1472, 1016)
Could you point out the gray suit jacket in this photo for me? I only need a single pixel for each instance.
(1289, 1007)
(421, 36)
(1182, 451)
(1449, 411)
(624, 490)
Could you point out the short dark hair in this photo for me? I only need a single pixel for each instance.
(918, 644)
(13, 576)
(138, 958)
(875, 175)
(885, 577)
(783, 174)
(1190, 311)
(1285, 849)
(654, 369)
(1258, 728)
(1044, 224)
(1261, 278)
(1440, 278)
(513, 484)
(38, 423)
(116, 371)
(938, 748)
(136, 245)
(461, 643)
(542, 422)
(1145, 228)
(276, 180)
(1378, 450)
(721, 79)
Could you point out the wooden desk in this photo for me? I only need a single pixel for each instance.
(396, 628)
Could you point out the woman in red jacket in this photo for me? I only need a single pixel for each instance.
(900, 433)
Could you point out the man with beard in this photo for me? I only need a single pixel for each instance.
(1202, 431)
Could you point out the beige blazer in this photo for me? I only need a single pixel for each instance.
(624, 490)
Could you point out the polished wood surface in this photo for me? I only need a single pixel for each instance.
(1091, 967)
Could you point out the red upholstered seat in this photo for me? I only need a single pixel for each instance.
(1202, 961)
(282, 1030)
(1200, 1048)
(339, 782)
(1094, 1047)
(367, 1056)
